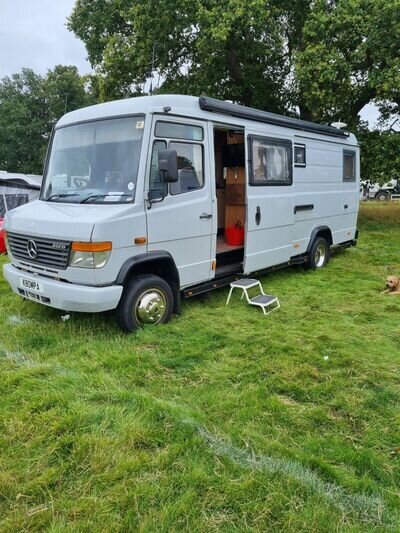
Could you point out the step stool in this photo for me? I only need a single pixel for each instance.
(261, 300)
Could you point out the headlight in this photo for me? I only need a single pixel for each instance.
(90, 254)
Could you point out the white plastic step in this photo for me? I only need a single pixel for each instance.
(267, 302)
(263, 299)
(245, 283)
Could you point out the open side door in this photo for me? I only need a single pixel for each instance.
(270, 202)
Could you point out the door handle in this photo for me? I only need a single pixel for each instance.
(306, 207)
(258, 215)
(206, 215)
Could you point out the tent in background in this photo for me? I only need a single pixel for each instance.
(17, 189)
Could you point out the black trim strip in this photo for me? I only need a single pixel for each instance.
(235, 110)
(306, 207)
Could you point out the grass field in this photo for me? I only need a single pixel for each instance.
(222, 420)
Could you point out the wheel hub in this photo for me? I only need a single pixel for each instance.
(150, 307)
(320, 254)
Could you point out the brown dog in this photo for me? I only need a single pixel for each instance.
(392, 286)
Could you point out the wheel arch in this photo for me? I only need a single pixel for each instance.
(160, 263)
(320, 231)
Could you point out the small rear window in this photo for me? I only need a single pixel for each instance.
(299, 155)
(349, 165)
(172, 130)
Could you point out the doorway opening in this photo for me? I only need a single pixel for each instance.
(230, 179)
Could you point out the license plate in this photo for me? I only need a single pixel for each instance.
(30, 285)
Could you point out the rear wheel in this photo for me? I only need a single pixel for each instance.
(319, 254)
(147, 300)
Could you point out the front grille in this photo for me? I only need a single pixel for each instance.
(50, 253)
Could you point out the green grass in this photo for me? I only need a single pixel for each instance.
(222, 420)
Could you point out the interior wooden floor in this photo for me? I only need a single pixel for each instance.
(223, 246)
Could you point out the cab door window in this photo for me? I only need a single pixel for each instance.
(190, 167)
(155, 183)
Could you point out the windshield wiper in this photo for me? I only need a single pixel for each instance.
(97, 196)
(61, 195)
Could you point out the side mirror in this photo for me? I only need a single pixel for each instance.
(168, 166)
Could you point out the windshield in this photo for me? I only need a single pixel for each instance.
(95, 162)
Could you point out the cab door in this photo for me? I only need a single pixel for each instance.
(182, 222)
(270, 202)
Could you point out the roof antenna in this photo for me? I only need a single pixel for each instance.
(152, 70)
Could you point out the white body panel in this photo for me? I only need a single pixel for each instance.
(284, 232)
(321, 184)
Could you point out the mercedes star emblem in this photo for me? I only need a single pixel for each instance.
(31, 247)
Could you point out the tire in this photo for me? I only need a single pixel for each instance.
(147, 300)
(382, 196)
(319, 254)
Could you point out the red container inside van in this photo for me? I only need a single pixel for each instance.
(234, 235)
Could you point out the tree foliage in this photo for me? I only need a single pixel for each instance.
(324, 59)
(380, 150)
(350, 57)
(232, 49)
(30, 105)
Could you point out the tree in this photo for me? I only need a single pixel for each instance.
(324, 59)
(225, 48)
(30, 105)
(350, 57)
(380, 151)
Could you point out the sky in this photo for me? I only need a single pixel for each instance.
(33, 34)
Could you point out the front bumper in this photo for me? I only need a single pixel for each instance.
(65, 296)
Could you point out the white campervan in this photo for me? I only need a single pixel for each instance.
(149, 199)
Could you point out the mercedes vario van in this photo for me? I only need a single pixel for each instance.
(137, 196)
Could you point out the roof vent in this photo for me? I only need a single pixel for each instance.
(339, 125)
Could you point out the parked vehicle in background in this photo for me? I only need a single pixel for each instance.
(17, 189)
(139, 195)
(374, 191)
(389, 191)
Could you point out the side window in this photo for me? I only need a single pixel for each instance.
(172, 130)
(299, 155)
(271, 161)
(155, 183)
(190, 167)
(349, 165)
